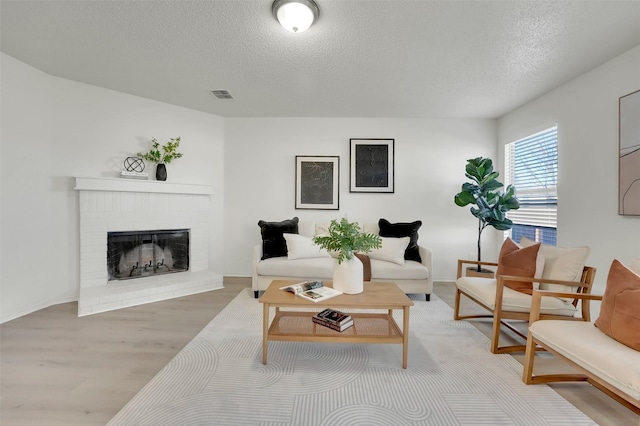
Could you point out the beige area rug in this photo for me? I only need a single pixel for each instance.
(451, 379)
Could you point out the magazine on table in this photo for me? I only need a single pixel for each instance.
(314, 291)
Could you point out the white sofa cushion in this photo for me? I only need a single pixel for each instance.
(322, 268)
(323, 228)
(587, 346)
(412, 270)
(302, 247)
(391, 250)
(484, 290)
(370, 228)
(307, 228)
(317, 267)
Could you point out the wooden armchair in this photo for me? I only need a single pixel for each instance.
(504, 303)
(607, 364)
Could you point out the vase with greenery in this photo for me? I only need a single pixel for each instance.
(345, 239)
(489, 204)
(162, 155)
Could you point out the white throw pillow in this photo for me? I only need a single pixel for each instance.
(301, 247)
(561, 263)
(392, 250)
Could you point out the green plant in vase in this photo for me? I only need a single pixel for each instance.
(162, 155)
(491, 204)
(345, 238)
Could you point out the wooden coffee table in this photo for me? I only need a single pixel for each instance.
(368, 327)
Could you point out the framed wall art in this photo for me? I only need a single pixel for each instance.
(317, 182)
(372, 165)
(629, 165)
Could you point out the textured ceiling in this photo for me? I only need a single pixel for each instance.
(375, 58)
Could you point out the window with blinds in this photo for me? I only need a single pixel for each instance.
(531, 165)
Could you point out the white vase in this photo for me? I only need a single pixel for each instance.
(348, 276)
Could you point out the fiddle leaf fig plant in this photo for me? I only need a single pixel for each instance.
(169, 151)
(489, 204)
(346, 239)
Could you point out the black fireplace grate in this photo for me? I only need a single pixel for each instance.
(136, 254)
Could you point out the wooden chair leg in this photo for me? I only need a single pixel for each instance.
(456, 305)
(527, 371)
(495, 335)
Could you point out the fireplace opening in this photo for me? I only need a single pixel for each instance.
(144, 253)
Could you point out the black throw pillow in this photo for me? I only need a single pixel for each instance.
(399, 230)
(273, 243)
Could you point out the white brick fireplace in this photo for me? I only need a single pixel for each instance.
(115, 205)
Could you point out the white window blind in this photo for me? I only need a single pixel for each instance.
(531, 165)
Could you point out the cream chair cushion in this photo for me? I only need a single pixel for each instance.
(587, 346)
(484, 291)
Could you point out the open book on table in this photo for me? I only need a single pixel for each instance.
(314, 291)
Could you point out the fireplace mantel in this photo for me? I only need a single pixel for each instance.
(133, 185)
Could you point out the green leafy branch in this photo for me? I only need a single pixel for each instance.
(346, 239)
(168, 154)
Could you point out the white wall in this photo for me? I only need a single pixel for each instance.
(430, 158)
(586, 111)
(54, 129)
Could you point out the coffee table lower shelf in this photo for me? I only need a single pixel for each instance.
(297, 326)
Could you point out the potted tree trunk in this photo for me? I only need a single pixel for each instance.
(488, 203)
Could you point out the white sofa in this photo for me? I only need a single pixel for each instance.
(412, 278)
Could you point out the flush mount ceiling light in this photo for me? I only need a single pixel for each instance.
(295, 15)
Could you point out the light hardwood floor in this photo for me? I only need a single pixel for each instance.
(58, 369)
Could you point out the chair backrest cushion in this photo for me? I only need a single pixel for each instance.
(520, 262)
(620, 310)
(561, 263)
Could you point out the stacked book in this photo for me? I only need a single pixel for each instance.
(333, 319)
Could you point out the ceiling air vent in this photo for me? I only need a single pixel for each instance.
(222, 94)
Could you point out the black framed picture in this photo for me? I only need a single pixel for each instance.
(317, 182)
(372, 163)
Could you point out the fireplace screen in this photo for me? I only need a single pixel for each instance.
(144, 253)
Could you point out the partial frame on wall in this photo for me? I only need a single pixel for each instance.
(629, 159)
(317, 182)
(372, 165)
